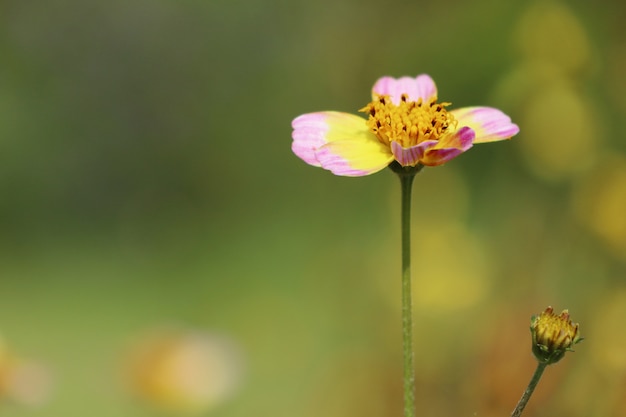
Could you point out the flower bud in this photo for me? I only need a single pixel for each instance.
(553, 335)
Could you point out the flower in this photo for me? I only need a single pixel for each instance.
(553, 335)
(405, 124)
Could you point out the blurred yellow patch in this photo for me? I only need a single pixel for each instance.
(184, 371)
(607, 333)
(550, 32)
(451, 270)
(562, 133)
(23, 381)
(600, 203)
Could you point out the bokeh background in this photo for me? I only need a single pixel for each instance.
(163, 253)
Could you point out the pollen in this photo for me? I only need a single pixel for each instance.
(409, 122)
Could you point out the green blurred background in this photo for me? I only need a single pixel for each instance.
(147, 182)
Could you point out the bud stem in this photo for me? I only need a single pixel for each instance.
(541, 366)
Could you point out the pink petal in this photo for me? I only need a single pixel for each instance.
(441, 156)
(420, 87)
(313, 130)
(339, 142)
(413, 155)
(489, 124)
(449, 147)
(354, 158)
(309, 133)
(462, 139)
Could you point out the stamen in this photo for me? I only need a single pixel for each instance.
(408, 122)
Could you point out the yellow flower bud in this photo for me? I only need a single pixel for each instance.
(553, 335)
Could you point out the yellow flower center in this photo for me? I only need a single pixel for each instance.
(409, 122)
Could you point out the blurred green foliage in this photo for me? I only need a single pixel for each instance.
(146, 179)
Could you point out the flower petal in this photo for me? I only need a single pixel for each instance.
(489, 124)
(449, 147)
(354, 157)
(420, 87)
(462, 139)
(313, 130)
(412, 155)
(339, 142)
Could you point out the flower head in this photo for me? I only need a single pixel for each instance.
(405, 123)
(553, 335)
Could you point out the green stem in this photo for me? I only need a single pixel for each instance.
(407, 318)
(407, 174)
(541, 366)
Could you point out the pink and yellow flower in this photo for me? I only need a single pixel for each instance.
(405, 124)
